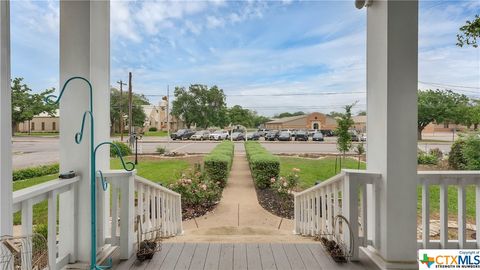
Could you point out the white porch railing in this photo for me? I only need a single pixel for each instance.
(133, 196)
(446, 179)
(158, 207)
(25, 199)
(316, 207)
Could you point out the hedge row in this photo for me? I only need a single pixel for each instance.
(32, 172)
(263, 164)
(217, 164)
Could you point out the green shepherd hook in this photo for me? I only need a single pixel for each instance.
(93, 171)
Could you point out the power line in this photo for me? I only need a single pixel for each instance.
(450, 85)
(279, 95)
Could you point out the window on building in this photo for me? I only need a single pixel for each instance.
(33, 126)
(54, 126)
(43, 126)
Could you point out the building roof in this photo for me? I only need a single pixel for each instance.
(359, 119)
(44, 114)
(148, 109)
(287, 119)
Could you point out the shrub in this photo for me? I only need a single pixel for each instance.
(217, 164)
(153, 129)
(161, 150)
(263, 165)
(197, 190)
(456, 159)
(471, 152)
(32, 172)
(124, 149)
(436, 152)
(427, 159)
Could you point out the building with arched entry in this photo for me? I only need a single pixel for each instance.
(313, 120)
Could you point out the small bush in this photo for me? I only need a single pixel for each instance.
(197, 190)
(161, 150)
(436, 152)
(32, 172)
(124, 149)
(456, 159)
(427, 159)
(263, 165)
(471, 152)
(152, 129)
(217, 164)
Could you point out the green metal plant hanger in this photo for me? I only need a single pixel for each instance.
(93, 171)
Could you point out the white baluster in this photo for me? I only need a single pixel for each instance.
(462, 233)
(425, 215)
(443, 215)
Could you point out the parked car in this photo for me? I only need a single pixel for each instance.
(318, 137)
(310, 132)
(285, 136)
(182, 134)
(272, 135)
(327, 132)
(262, 132)
(354, 136)
(201, 135)
(301, 135)
(253, 136)
(219, 135)
(238, 136)
(363, 137)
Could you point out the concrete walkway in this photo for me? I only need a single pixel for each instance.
(239, 217)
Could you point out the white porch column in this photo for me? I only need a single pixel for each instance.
(392, 60)
(6, 216)
(84, 51)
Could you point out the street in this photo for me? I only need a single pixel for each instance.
(34, 151)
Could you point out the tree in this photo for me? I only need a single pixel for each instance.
(344, 139)
(138, 115)
(362, 113)
(473, 114)
(240, 116)
(26, 105)
(469, 33)
(259, 119)
(441, 107)
(335, 114)
(288, 114)
(200, 105)
(359, 150)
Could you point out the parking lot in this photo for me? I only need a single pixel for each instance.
(37, 151)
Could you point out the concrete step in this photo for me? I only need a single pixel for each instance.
(230, 234)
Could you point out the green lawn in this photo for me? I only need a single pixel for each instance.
(312, 170)
(452, 201)
(156, 134)
(40, 210)
(160, 171)
(36, 134)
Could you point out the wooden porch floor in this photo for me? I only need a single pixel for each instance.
(213, 256)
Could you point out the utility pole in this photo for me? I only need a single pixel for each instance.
(121, 108)
(130, 120)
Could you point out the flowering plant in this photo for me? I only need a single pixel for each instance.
(197, 189)
(286, 185)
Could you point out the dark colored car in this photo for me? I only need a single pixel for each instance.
(272, 135)
(238, 136)
(318, 137)
(285, 136)
(301, 135)
(253, 136)
(182, 134)
(327, 132)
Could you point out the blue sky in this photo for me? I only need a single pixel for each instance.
(248, 48)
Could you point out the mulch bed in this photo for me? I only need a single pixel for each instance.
(196, 211)
(273, 203)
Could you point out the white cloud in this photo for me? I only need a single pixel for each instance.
(122, 24)
(214, 22)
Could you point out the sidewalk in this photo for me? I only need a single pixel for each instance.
(239, 216)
